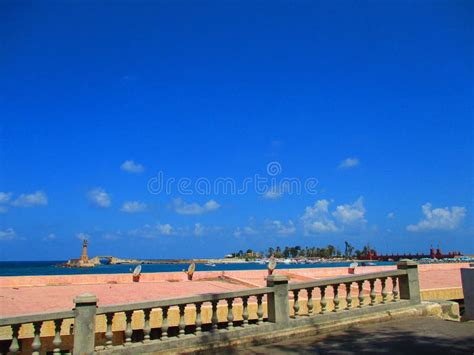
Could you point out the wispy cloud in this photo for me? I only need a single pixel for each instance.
(439, 218)
(200, 229)
(184, 208)
(248, 230)
(99, 197)
(5, 197)
(112, 235)
(349, 163)
(132, 167)
(83, 236)
(281, 228)
(50, 237)
(272, 194)
(148, 231)
(391, 215)
(133, 207)
(37, 198)
(7, 234)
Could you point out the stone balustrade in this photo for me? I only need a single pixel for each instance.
(216, 317)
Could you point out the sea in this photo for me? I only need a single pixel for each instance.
(28, 268)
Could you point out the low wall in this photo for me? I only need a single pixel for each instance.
(24, 281)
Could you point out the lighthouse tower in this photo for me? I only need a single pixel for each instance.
(84, 257)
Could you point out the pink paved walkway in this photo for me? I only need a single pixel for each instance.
(27, 300)
(17, 298)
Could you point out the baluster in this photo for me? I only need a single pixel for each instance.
(128, 327)
(372, 292)
(57, 336)
(259, 309)
(245, 311)
(296, 304)
(182, 323)
(323, 299)
(310, 306)
(108, 333)
(230, 315)
(394, 289)
(361, 293)
(146, 326)
(335, 300)
(164, 323)
(36, 345)
(348, 296)
(14, 345)
(198, 318)
(384, 290)
(214, 318)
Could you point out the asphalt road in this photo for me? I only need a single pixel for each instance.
(419, 335)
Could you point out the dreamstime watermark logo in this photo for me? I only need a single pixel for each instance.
(274, 168)
(272, 185)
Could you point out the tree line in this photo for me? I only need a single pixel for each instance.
(330, 251)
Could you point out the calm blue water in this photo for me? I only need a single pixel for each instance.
(23, 268)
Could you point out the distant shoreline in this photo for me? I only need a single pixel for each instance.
(213, 261)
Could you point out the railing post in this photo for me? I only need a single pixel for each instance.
(84, 324)
(467, 279)
(277, 301)
(409, 284)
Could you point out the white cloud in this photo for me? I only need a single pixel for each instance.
(349, 163)
(99, 197)
(272, 194)
(37, 198)
(391, 215)
(50, 237)
(5, 197)
(351, 214)
(133, 207)
(439, 218)
(7, 234)
(83, 236)
(132, 167)
(317, 219)
(281, 228)
(182, 207)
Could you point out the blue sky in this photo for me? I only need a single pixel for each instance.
(372, 99)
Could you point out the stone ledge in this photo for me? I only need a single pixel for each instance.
(304, 326)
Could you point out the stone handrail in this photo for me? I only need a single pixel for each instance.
(183, 300)
(284, 306)
(345, 279)
(37, 317)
